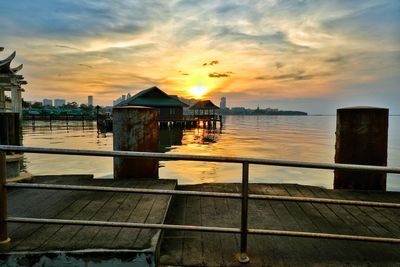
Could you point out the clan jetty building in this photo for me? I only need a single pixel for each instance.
(11, 81)
(170, 108)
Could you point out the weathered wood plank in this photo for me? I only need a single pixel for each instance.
(285, 251)
(192, 246)
(86, 205)
(157, 214)
(370, 252)
(171, 247)
(127, 236)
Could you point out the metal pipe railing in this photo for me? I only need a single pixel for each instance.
(162, 156)
(204, 194)
(243, 258)
(198, 228)
(3, 199)
(244, 195)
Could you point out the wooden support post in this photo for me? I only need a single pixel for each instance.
(14, 96)
(2, 99)
(4, 239)
(361, 138)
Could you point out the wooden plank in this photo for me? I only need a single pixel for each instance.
(99, 209)
(172, 242)
(106, 235)
(338, 224)
(302, 215)
(192, 245)
(357, 228)
(212, 247)
(228, 210)
(44, 232)
(322, 225)
(126, 238)
(386, 252)
(156, 215)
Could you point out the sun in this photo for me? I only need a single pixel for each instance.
(198, 90)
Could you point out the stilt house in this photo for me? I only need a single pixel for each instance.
(170, 108)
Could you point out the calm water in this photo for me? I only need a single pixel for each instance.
(309, 138)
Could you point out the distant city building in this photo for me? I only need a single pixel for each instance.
(222, 104)
(128, 96)
(47, 102)
(119, 100)
(90, 100)
(59, 103)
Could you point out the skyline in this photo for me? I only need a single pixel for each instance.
(313, 56)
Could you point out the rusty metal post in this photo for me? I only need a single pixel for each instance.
(135, 129)
(243, 258)
(3, 200)
(361, 138)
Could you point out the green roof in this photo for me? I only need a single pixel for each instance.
(159, 99)
(204, 104)
(155, 102)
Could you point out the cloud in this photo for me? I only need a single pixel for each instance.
(211, 63)
(219, 75)
(328, 47)
(85, 65)
(294, 76)
(336, 59)
(279, 65)
(69, 47)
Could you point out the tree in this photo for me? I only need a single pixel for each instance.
(71, 105)
(37, 105)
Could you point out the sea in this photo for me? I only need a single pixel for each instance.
(299, 138)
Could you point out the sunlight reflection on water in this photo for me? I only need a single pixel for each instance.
(305, 138)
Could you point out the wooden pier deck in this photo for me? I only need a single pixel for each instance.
(49, 245)
(182, 248)
(90, 243)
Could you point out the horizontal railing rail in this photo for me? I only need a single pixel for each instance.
(244, 195)
(198, 228)
(162, 156)
(203, 194)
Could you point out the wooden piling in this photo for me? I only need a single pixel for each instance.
(361, 138)
(10, 130)
(135, 129)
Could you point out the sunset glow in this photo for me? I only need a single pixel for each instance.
(198, 91)
(307, 55)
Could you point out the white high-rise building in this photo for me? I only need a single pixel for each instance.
(47, 102)
(90, 100)
(58, 103)
(222, 104)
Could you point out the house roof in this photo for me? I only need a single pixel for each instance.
(204, 104)
(143, 98)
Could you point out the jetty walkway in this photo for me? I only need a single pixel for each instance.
(183, 248)
(80, 221)
(37, 243)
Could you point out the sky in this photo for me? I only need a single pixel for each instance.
(309, 55)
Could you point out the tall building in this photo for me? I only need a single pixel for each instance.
(47, 102)
(90, 100)
(222, 104)
(58, 103)
(119, 100)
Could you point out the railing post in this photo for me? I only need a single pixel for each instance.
(243, 258)
(3, 200)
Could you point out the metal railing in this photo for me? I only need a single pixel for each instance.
(244, 195)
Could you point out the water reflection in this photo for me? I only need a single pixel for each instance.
(170, 138)
(275, 137)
